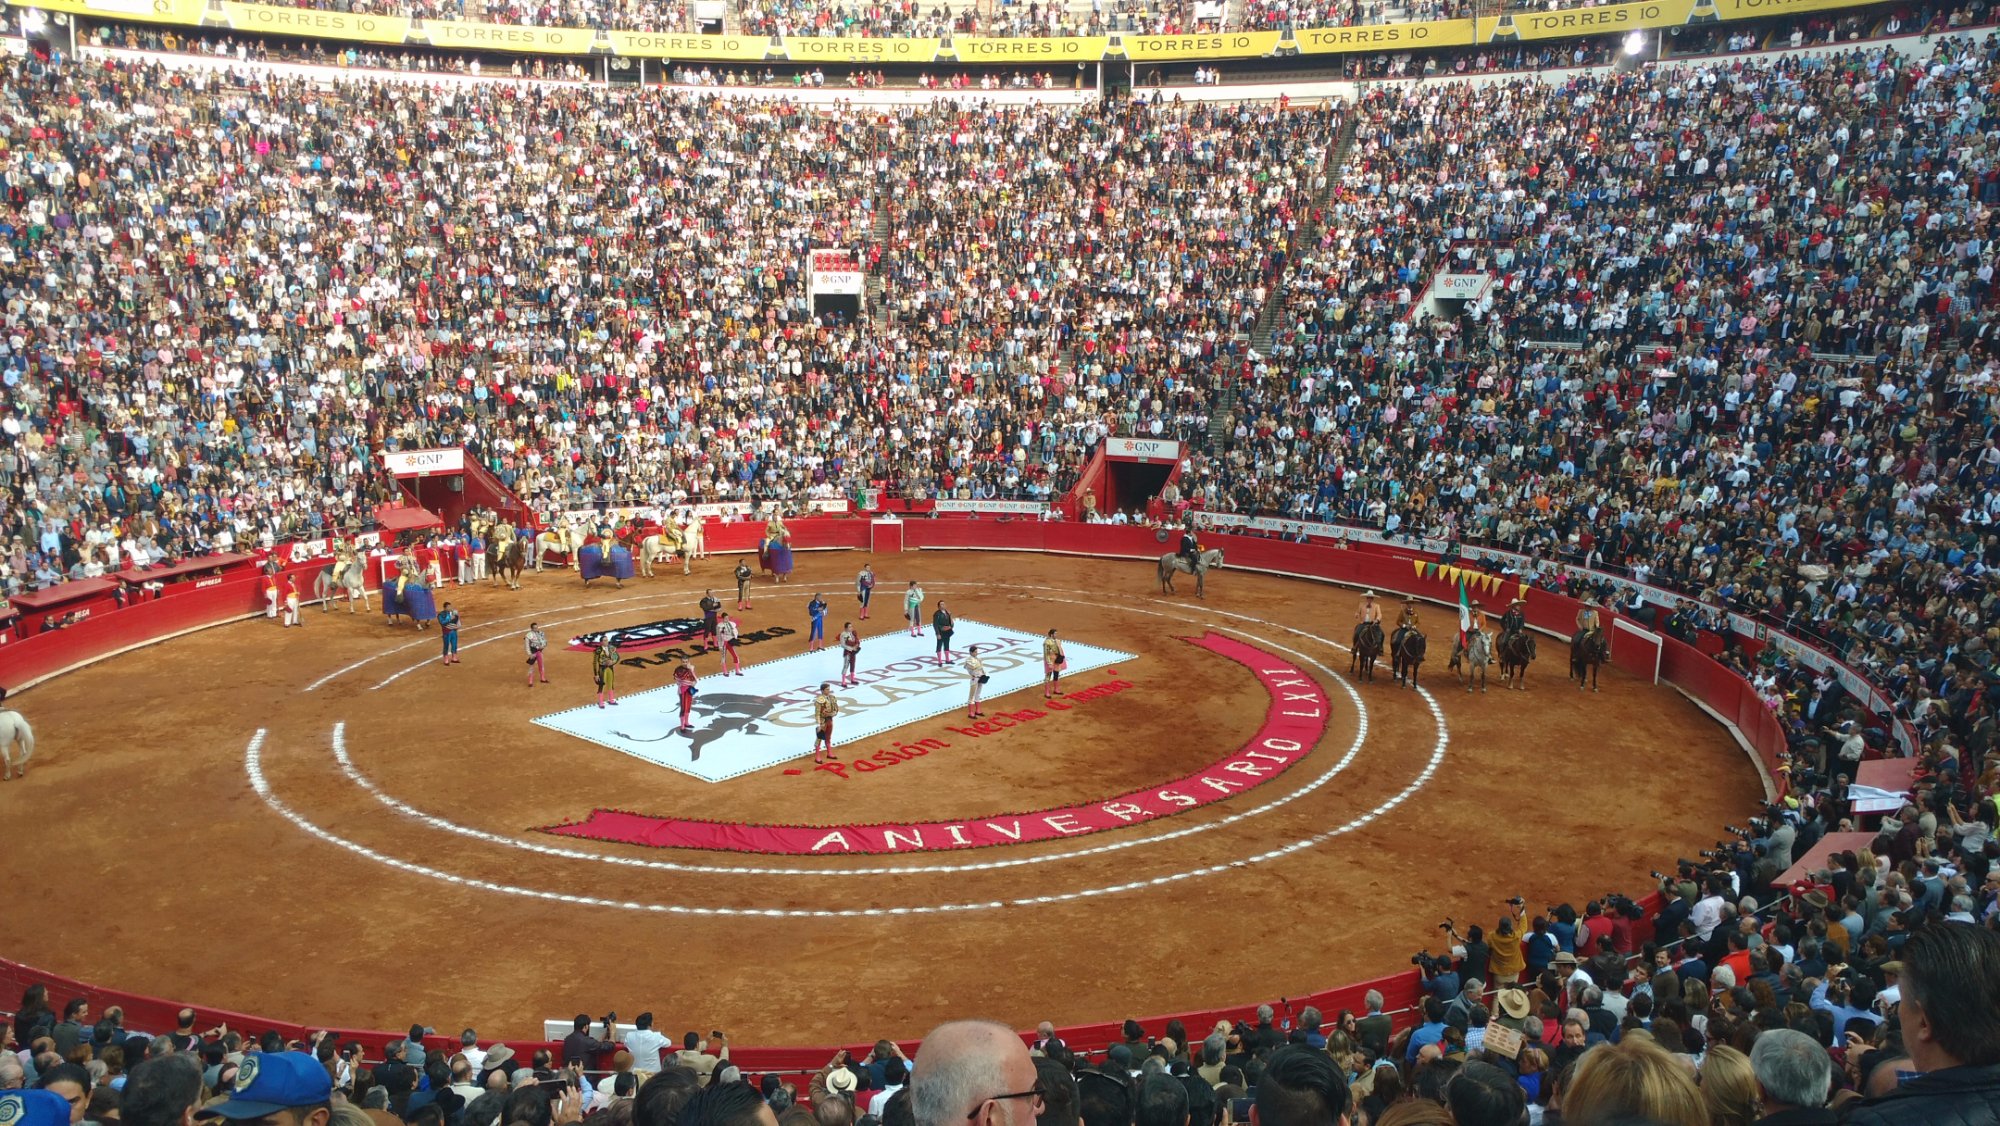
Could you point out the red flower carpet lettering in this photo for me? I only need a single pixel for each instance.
(1293, 724)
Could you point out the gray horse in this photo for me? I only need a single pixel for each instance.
(343, 577)
(1478, 655)
(1170, 564)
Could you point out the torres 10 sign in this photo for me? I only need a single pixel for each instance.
(1142, 449)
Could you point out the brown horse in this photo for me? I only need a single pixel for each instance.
(1587, 651)
(1517, 652)
(506, 562)
(1367, 650)
(1406, 652)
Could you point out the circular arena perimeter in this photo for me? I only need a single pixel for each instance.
(326, 824)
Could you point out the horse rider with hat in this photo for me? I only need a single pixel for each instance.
(1515, 619)
(1586, 615)
(1369, 610)
(1409, 618)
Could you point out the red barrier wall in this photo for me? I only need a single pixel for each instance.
(1385, 569)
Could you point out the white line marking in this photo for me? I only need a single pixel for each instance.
(1360, 736)
(253, 766)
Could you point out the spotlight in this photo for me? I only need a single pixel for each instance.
(1635, 43)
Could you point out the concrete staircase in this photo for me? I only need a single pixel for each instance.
(873, 304)
(1222, 420)
(1264, 334)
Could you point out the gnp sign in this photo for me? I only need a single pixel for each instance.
(417, 463)
(1141, 449)
(1460, 287)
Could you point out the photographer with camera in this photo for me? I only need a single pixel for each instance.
(1470, 949)
(580, 1046)
(1440, 976)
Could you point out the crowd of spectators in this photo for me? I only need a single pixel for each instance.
(614, 15)
(599, 291)
(1738, 343)
(1110, 257)
(1808, 1015)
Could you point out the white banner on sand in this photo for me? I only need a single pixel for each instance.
(747, 723)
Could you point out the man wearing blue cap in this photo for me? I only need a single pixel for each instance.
(277, 1089)
(33, 1108)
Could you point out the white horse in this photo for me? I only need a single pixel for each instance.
(14, 729)
(691, 538)
(345, 576)
(565, 539)
(663, 547)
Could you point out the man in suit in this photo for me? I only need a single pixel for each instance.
(1375, 1028)
(394, 1068)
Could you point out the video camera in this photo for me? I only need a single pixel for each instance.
(1431, 964)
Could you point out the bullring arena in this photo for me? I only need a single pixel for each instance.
(341, 778)
(465, 466)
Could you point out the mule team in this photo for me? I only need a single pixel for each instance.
(508, 552)
(1475, 648)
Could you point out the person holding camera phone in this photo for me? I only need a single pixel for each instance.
(694, 1053)
(1506, 960)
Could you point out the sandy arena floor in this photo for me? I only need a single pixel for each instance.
(387, 890)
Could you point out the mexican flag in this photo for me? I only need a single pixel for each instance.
(1464, 612)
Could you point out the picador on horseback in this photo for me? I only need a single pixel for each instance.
(1516, 647)
(1588, 648)
(1367, 645)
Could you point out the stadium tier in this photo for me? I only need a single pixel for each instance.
(1202, 415)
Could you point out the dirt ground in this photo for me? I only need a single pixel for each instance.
(158, 867)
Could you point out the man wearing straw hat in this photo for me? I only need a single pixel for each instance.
(1369, 611)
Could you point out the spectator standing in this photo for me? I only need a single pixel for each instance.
(645, 1046)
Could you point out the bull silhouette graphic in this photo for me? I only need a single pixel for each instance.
(722, 714)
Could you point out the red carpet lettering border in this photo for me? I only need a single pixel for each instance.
(1294, 722)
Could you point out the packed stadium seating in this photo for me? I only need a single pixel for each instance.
(1738, 344)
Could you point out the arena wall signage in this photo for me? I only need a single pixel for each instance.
(823, 49)
(1072, 48)
(1514, 27)
(996, 507)
(1294, 722)
(1230, 45)
(317, 22)
(1384, 37)
(765, 717)
(664, 45)
(1572, 22)
(1142, 449)
(416, 463)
